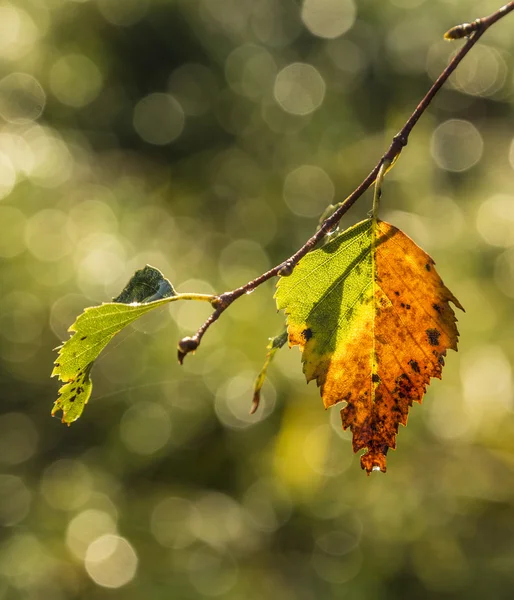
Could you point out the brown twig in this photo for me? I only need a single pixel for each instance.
(474, 32)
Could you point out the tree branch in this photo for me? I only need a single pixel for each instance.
(474, 32)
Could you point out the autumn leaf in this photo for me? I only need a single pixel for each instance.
(94, 329)
(373, 320)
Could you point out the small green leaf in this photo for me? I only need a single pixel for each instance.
(274, 345)
(146, 285)
(95, 328)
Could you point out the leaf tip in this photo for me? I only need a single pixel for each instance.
(374, 460)
(255, 402)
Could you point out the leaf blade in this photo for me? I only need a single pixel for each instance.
(94, 329)
(379, 333)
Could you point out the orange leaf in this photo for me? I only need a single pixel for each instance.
(373, 320)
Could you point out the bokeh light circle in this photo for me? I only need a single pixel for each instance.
(170, 522)
(212, 573)
(46, 235)
(111, 561)
(18, 32)
(158, 119)
(85, 528)
(299, 88)
(66, 484)
(328, 18)
(195, 88)
(308, 190)
(145, 428)
(15, 500)
(456, 145)
(22, 98)
(75, 80)
(250, 70)
(495, 220)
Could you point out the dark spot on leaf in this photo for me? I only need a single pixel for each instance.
(428, 267)
(307, 334)
(73, 389)
(402, 305)
(80, 390)
(397, 293)
(375, 378)
(440, 360)
(437, 308)
(83, 337)
(72, 399)
(414, 366)
(79, 373)
(433, 336)
(57, 364)
(407, 306)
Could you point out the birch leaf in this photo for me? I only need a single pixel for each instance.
(95, 328)
(373, 320)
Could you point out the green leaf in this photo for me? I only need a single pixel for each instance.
(146, 285)
(95, 328)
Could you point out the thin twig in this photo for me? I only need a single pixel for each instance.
(222, 302)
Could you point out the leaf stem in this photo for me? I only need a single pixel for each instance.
(378, 187)
(399, 141)
(202, 297)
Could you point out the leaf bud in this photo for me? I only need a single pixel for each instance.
(286, 269)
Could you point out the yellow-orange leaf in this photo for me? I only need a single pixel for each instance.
(373, 320)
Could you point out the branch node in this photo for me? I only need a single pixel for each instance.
(401, 139)
(221, 302)
(216, 302)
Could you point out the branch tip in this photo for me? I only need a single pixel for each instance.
(185, 346)
(464, 30)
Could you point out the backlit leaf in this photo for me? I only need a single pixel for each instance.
(95, 328)
(373, 320)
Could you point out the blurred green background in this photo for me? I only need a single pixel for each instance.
(205, 137)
